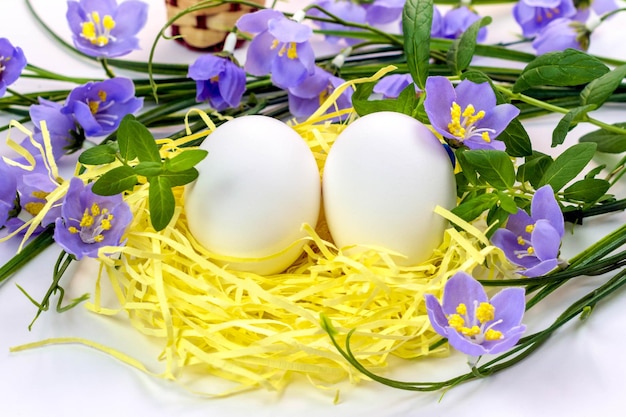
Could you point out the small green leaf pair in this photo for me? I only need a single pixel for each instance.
(139, 154)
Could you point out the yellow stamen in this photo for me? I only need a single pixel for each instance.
(485, 312)
(214, 79)
(530, 228)
(470, 331)
(89, 30)
(461, 309)
(72, 230)
(87, 220)
(485, 137)
(98, 238)
(102, 95)
(95, 209)
(108, 22)
(95, 16)
(521, 241)
(530, 250)
(274, 44)
(456, 322)
(491, 334)
(292, 53)
(39, 194)
(34, 207)
(93, 106)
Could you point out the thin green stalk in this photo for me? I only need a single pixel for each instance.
(29, 252)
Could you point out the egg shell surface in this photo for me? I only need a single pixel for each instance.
(383, 177)
(257, 186)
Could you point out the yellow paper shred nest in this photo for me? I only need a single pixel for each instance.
(255, 331)
(258, 331)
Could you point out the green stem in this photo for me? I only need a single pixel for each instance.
(556, 109)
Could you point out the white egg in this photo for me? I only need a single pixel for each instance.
(257, 186)
(383, 177)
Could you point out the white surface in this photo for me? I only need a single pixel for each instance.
(580, 371)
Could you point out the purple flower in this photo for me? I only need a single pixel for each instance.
(392, 85)
(346, 10)
(98, 107)
(12, 62)
(219, 81)
(33, 188)
(306, 98)
(89, 221)
(383, 11)
(468, 114)
(457, 20)
(101, 28)
(64, 136)
(8, 193)
(561, 34)
(533, 242)
(474, 324)
(599, 7)
(281, 47)
(534, 15)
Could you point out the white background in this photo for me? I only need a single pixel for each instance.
(581, 371)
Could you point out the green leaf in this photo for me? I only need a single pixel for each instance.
(516, 139)
(115, 181)
(534, 169)
(148, 169)
(495, 167)
(406, 103)
(568, 122)
(507, 203)
(99, 155)
(473, 207)
(587, 190)
(600, 89)
(136, 141)
(185, 160)
(176, 179)
(461, 51)
(569, 164)
(417, 18)
(566, 68)
(161, 202)
(595, 171)
(607, 141)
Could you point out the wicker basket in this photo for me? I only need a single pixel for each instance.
(205, 29)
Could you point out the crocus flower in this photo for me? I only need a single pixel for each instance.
(306, 98)
(392, 85)
(281, 47)
(534, 15)
(62, 128)
(561, 34)
(383, 11)
(12, 62)
(457, 20)
(98, 107)
(474, 324)
(89, 221)
(8, 193)
(219, 81)
(533, 241)
(101, 28)
(346, 10)
(468, 114)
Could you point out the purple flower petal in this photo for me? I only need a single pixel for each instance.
(480, 96)
(545, 240)
(261, 55)
(545, 206)
(257, 22)
(462, 288)
(287, 30)
(509, 305)
(436, 316)
(440, 95)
